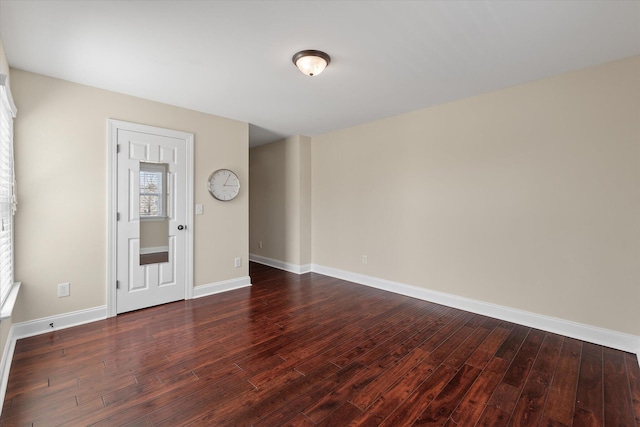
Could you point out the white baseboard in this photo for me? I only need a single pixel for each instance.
(606, 337)
(63, 321)
(281, 265)
(5, 367)
(224, 286)
(593, 334)
(154, 250)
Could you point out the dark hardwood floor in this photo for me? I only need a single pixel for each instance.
(154, 258)
(312, 350)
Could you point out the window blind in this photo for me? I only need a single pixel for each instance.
(6, 191)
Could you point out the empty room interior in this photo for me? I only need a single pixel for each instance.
(320, 213)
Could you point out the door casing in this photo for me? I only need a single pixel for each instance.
(112, 202)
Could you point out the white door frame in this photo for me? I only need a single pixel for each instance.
(112, 203)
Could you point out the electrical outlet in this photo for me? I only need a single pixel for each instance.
(64, 290)
(260, 244)
(199, 210)
(238, 262)
(364, 259)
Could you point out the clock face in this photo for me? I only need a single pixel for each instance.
(224, 185)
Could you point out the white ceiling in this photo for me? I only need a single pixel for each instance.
(233, 58)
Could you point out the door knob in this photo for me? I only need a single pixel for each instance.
(182, 227)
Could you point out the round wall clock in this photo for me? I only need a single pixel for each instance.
(224, 185)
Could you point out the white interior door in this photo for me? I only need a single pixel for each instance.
(140, 286)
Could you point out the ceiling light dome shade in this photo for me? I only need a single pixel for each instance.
(311, 62)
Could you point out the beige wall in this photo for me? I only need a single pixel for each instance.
(154, 234)
(528, 197)
(306, 197)
(280, 204)
(4, 65)
(61, 168)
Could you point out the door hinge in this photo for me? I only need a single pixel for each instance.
(117, 148)
(117, 216)
(117, 284)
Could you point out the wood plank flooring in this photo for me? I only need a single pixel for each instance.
(154, 258)
(312, 350)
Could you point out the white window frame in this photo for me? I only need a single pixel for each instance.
(8, 287)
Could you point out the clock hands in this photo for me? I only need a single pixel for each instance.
(227, 180)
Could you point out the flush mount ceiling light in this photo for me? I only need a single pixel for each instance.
(311, 62)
